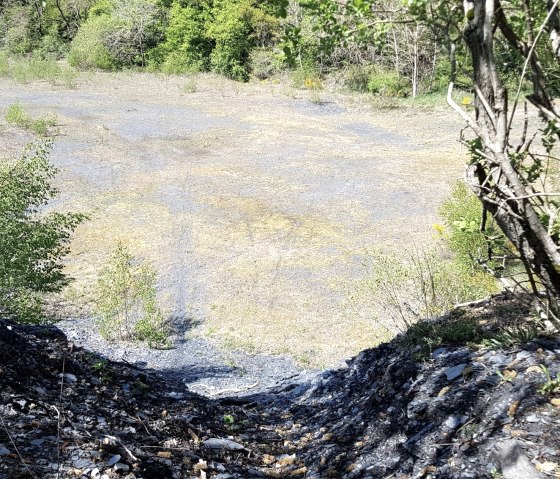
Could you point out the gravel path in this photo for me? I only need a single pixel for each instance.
(198, 364)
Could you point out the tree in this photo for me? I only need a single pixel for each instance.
(32, 244)
(512, 168)
(509, 170)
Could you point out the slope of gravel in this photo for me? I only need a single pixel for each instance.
(196, 364)
(457, 412)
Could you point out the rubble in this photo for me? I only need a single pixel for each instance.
(393, 411)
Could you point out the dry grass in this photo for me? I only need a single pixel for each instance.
(255, 224)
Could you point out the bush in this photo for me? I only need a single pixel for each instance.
(231, 30)
(357, 77)
(264, 63)
(386, 83)
(28, 69)
(422, 285)
(32, 245)
(236, 28)
(308, 78)
(18, 29)
(126, 306)
(462, 215)
(186, 47)
(17, 116)
(89, 48)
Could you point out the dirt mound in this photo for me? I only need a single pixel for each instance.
(455, 412)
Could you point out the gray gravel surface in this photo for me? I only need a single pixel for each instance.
(196, 365)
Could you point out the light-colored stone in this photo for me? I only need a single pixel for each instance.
(513, 461)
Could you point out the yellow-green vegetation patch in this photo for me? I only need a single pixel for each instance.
(17, 116)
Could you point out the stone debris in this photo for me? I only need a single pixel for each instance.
(393, 411)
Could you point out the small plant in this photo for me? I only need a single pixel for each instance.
(28, 69)
(229, 419)
(551, 385)
(190, 85)
(512, 336)
(101, 367)
(432, 334)
(17, 116)
(127, 306)
(32, 245)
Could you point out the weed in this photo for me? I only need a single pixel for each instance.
(423, 285)
(551, 385)
(315, 98)
(26, 70)
(101, 366)
(17, 116)
(229, 419)
(431, 334)
(191, 85)
(511, 336)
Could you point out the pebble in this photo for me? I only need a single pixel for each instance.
(453, 422)
(121, 467)
(4, 451)
(218, 443)
(455, 372)
(532, 418)
(116, 458)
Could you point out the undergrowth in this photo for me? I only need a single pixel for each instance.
(34, 68)
(42, 126)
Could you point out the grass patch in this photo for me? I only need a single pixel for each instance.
(501, 322)
(17, 116)
(190, 85)
(29, 69)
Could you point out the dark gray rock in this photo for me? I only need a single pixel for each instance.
(455, 372)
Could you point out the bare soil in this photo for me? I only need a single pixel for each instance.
(255, 202)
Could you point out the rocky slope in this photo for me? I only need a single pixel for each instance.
(393, 412)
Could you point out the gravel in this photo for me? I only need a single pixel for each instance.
(195, 364)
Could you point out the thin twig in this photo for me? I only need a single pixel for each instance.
(132, 456)
(532, 195)
(528, 59)
(59, 418)
(461, 112)
(16, 448)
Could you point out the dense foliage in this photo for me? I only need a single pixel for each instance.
(32, 244)
(173, 36)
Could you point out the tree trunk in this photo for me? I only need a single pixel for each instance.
(493, 176)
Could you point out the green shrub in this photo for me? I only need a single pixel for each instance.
(4, 65)
(236, 27)
(17, 116)
(186, 47)
(307, 77)
(264, 63)
(357, 77)
(89, 48)
(386, 83)
(231, 30)
(19, 29)
(422, 285)
(32, 245)
(126, 306)
(100, 8)
(52, 45)
(462, 215)
(33, 68)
